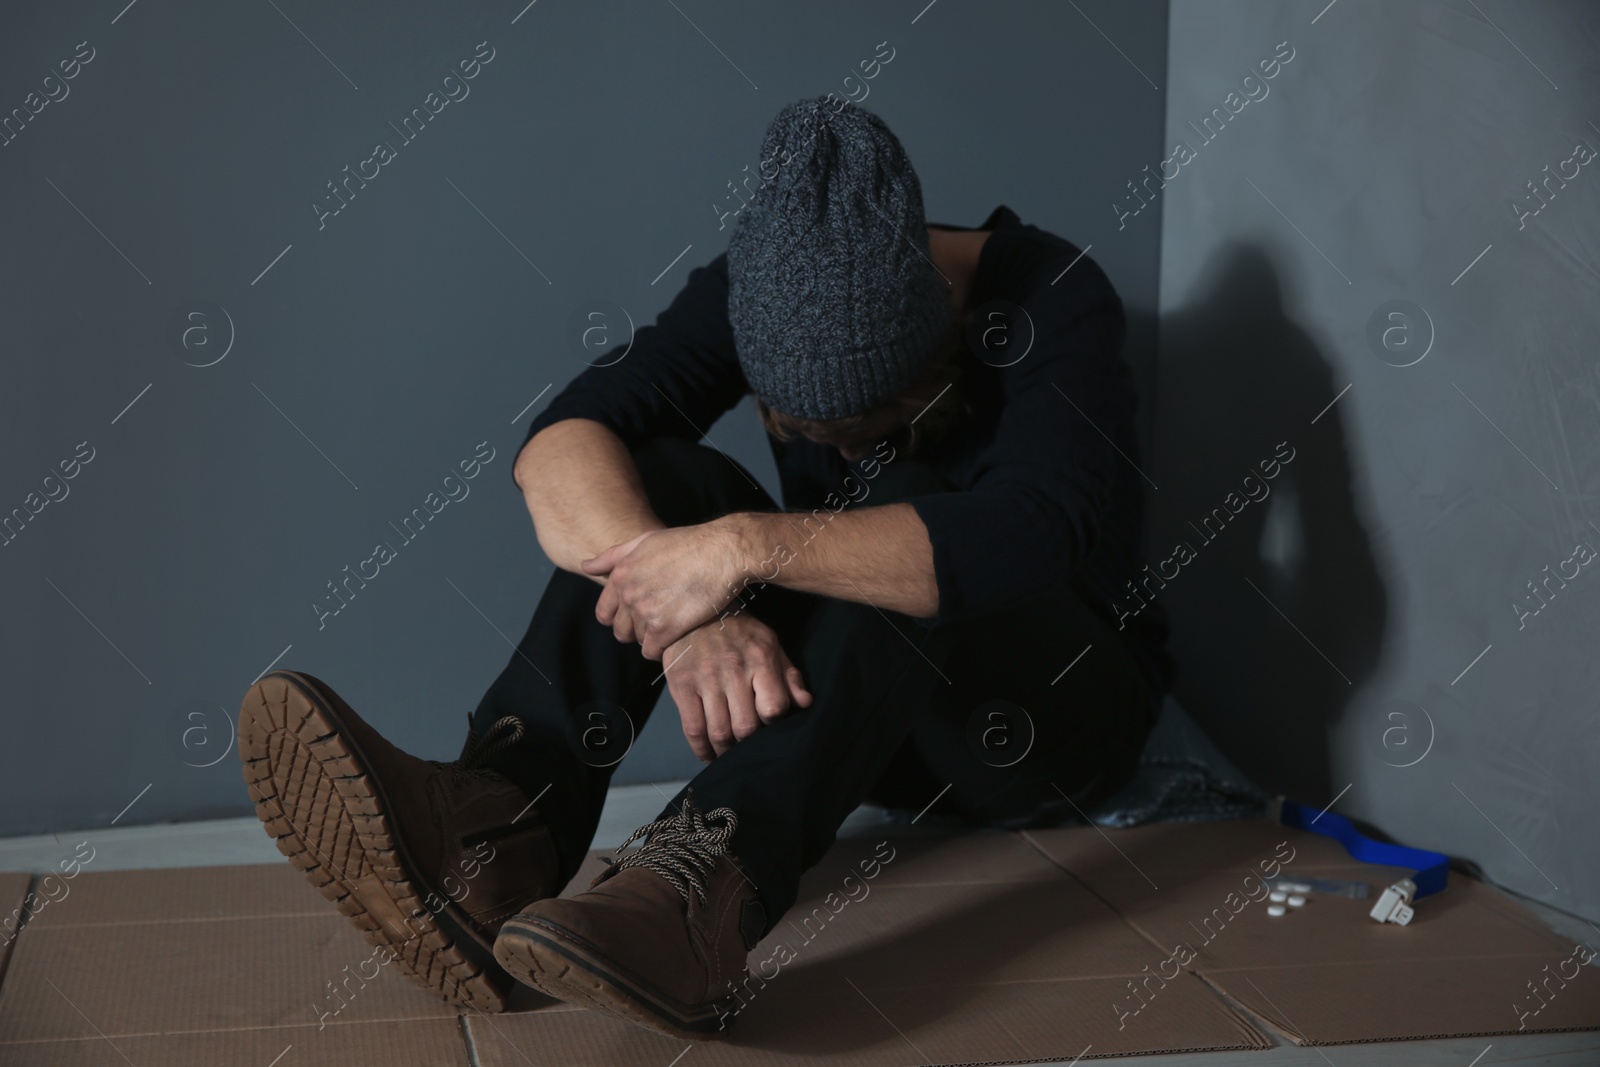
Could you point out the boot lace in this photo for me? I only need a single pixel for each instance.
(682, 848)
(506, 731)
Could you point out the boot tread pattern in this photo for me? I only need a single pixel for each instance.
(323, 813)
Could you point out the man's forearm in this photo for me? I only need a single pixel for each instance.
(878, 555)
(583, 491)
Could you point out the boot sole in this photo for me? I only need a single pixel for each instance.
(561, 964)
(325, 812)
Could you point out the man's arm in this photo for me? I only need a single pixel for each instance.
(583, 491)
(681, 374)
(879, 555)
(1050, 482)
(667, 582)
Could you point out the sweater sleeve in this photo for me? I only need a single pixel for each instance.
(675, 379)
(1047, 475)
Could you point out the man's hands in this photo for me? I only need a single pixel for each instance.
(664, 583)
(728, 679)
(728, 676)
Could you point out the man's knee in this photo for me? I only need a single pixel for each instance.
(900, 479)
(687, 482)
(665, 458)
(856, 639)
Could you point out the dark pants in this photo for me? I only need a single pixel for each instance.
(976, 713)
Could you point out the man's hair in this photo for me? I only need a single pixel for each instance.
(935, 393)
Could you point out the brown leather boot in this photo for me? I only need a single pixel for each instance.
(426, 858)
(659, 938)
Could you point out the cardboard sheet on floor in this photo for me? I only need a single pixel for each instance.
(975, 949)
(209, 965)
(984, 948)
(1472, 962)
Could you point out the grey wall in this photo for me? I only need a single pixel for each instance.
(382, 347)
(1325, 635)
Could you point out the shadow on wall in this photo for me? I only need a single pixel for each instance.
(1239, 387)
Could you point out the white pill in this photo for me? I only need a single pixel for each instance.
(1278, 896)
(1297, 901)
(1275, 910)
(1298, 887)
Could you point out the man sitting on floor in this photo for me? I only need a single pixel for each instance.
(953, 426)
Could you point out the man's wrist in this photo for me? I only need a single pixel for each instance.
(743, 530)
(627, 531)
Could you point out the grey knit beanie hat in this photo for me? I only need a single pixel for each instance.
(834, 301)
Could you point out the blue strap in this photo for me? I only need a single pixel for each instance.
(1431, 869)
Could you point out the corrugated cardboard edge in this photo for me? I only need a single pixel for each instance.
(1106, 1056)
(383, 1043)
(1306, 1042)
(14, 889)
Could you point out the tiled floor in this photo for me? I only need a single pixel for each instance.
(241, 841)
